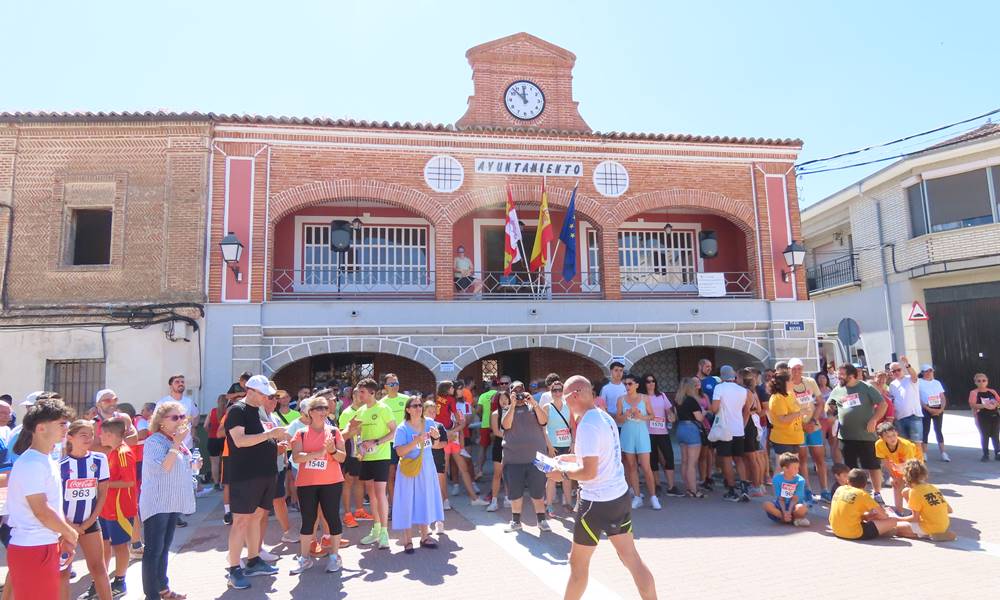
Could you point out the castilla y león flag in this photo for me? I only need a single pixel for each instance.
(512, 236)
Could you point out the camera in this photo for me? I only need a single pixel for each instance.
(521, 396)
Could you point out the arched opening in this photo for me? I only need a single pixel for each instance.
(531, 365)
(347, 368)
(670, 365)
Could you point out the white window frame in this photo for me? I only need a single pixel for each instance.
(652, 226)
(302, 221)
(992, 188)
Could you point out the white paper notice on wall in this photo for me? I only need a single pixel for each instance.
(711, 285)
(447, 367)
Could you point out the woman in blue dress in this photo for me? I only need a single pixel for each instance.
(416, 494)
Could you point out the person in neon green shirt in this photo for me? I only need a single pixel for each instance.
(353, 490)
(484, 408)
(397, 404)
(378, 428)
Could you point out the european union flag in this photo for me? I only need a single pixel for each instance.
(568, 238)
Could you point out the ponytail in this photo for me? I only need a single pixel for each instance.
(24, 440)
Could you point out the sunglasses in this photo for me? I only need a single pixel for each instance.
(504, 383)
(414, 406)
(556, 390)
(320, 409)
(982, 381)
(392, 384)
(631, 383)
(175, 417)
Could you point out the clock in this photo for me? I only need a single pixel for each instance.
(524, 100)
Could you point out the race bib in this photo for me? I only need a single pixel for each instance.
(268, 426)
(563, 437)
(804, 398)
(851, 401)
(81, 489)
(788, 490)
(316, 464)
(428, 442)
(657, 425)
(934, 401)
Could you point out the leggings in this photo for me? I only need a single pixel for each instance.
(989, 429)
(327, 496)
(660, 443)
(928, 419)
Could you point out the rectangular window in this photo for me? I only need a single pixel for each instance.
(957, 201)
(381, 258)
(593, 274)
(657, 259)
(918, 218)
(76, 380)
(91, 237)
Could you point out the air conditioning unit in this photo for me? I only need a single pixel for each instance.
(177, 331)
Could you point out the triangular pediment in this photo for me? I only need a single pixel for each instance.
(524, 46)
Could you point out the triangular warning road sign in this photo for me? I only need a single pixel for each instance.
(917, 312)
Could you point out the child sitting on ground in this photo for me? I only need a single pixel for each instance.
(840, 471)
(894, 452)
(789, 490)
(854, 515)
(930, 509)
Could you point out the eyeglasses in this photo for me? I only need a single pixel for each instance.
(556, 390)
(175, 417)
(396, 384)
(982, 381)
(504, 383)
(897, 370)
(414, 406)
(631, 383)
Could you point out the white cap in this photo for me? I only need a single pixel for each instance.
(31, 398)
(794, 362)
(261, 384)
(103, 393)
(926, 367)
(727, 373)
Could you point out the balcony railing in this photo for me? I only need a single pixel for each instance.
(833, 273)
(330, 283)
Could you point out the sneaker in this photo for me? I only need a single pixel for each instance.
(383, 540)
(506, 501)
(655, 503)
(945, 457)
(181, 522)
(237, 580)
(118, 587)
(334, 563)
(675, 492)
(493, 506)
(803, 522)
(218, 487)
(447, 504)
(513, 526)
(227, 519)
(636, 502)
(757, 491)
(947, 536)
(877, 497)
(439, 528)
(267, 556)
(90, 594)
(362, 515)
(136, 550)
(453, 490)
(301, 564)
(203, 492)
(475, 488)
(730, 496)
(349, 521)
(479, 502)
(261, 568)
(826, 496)
(290, 538)
(550, 512)
(543, 525)
(371, 538)
(464, 453)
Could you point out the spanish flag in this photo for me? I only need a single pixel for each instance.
(512, 236)
(543, 236)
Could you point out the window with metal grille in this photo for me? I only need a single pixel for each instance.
(656, 256)
(76, 380)
(491, 369)
(382, 257)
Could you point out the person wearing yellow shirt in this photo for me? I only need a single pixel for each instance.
(854, 515)
(930, 510)
(895, 451)
(786, 418)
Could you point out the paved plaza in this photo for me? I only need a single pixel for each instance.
(695, 548)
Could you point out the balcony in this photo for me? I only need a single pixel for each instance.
(832, 274)
(323, 283)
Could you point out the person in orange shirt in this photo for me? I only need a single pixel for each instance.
(122, 504)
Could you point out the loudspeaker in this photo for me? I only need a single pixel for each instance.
(708, 245)
(341, 236)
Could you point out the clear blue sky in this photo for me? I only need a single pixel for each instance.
(838, 75)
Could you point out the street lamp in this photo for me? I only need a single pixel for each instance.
(795, 255)
(232, 251)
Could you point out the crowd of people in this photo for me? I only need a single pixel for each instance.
(112, 485)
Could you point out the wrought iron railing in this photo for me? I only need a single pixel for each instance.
(346, 282)
(833, 273)
(684, 283)
(522, 285)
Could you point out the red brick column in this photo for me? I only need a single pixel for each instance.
(611, 279)
(444, 261)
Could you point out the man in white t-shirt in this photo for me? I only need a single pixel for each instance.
(614, 389)
(731, 402)
(177, 389)
(932, 403)
(905, 393)
(605, 506)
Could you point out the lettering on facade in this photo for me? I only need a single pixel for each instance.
(795, 326)
(524, 166)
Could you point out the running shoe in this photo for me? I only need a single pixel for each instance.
(237, 579)
(492, 506)
(464, 453)
(334, 563)
(826, 496)
(877, 497)
(439, 528)
(260, 568)
(636, 502)
(945, 457)
(674, 492)
(479, 502)
(362, 515)
(447, 504)
(513, 526)
(453, 490)
(803, 522)
(371, 538)
(731, 496)
(350, 521)
(475, 487)
(135, 550)
(90, 594)
(383, 539)
(506, 501)
(203, 492)
(655, 503)
(227, 519)
(289, 537)
(757, 491)
(301, 564)
(181, 522)
(543, 525)
(267, 556)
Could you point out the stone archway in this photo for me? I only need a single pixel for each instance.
(739, 213)
(340, 345)
(580, 347)
(558, 197)
(288, 201)
(718, 340)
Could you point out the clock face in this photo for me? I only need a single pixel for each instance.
(524, 100)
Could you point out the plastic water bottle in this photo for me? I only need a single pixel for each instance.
(196, 462)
